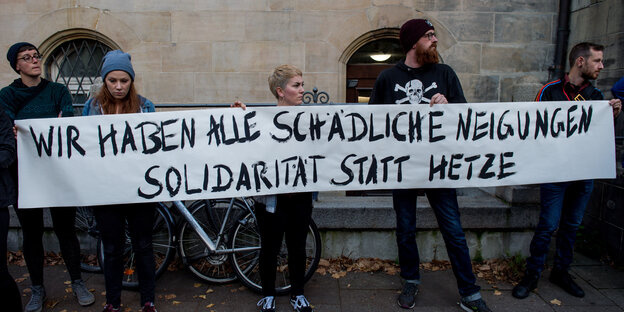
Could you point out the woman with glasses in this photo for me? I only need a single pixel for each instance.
(284, 214)
(118, 95)
(31, 96)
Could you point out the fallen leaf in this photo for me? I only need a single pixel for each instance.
(210, 305)
(200, 296)
(50, 304)
(176, 302)
(497, 293)
(67, 282)
(68, 290)
(170, 296)
(20, 279)
(338, 275)
(197, 285)
(210, 290)
(555, 302)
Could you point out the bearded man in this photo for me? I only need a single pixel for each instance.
(420, 79)
(563, 204)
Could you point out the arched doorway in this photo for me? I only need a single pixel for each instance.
(377, 51)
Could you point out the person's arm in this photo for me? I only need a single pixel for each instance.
(87, 108)
(149, 106)
(67, 109)
(377, 95)
(6, 104)
(7, 141)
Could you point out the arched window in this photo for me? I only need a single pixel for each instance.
(76, 64)
(367, 62)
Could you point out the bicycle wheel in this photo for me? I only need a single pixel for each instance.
(162, 242)
(246, 262)
(88, 235)
(213, 217)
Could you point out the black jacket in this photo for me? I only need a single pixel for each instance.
(8, 191)
(405, 85)
(554, 91)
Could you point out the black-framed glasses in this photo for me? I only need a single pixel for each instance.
(29, 59)
(430, 35)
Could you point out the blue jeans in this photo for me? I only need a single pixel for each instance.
(445, 207)
(563, 206)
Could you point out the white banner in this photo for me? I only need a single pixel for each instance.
(215, 153)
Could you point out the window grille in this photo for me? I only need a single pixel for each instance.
(76, 64)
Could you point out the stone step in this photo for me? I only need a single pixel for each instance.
(479, 209)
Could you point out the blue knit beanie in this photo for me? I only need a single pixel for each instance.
(618, 89)
(13, 50)
(117, 60)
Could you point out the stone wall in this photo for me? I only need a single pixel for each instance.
(602, 22)
(191, 51)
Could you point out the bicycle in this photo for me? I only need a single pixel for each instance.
(205, 242)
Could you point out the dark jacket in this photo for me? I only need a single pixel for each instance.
(405, 85)
(46, 100)
(8, 190)
(554, 91)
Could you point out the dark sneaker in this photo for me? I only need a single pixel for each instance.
(407, 298)
(526, 286)
(148, 307)
(474, 306)
(563, 279)
(300, 304)
(37, 297)
(267, 304)
(84, 296)
(109, 308)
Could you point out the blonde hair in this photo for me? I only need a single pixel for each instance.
(280, 76)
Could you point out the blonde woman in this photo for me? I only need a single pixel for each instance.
(284, 214)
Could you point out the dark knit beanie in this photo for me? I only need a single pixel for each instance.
(117, 60)
(412, 31)
(14, 49)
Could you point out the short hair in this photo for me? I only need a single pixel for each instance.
(583, 49)
(280, 76)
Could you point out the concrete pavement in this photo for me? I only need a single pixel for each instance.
(181, 291)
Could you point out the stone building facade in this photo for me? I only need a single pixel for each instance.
(191, 51)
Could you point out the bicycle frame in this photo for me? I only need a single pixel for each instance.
(212, 246)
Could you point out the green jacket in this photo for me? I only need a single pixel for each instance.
(46, 100)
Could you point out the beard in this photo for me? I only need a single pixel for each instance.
(589, 75)
(428, 56)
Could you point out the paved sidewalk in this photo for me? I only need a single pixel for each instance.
(357, 292)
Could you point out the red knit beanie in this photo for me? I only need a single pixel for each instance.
(412, 31)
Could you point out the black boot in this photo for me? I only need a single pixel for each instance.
(563, 279)
(526, 285)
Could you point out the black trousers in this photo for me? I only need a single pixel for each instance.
(9, 293)
(111, 222)
(63, 219)
(291, 218)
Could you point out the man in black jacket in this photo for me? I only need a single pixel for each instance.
(563, 204)
(420, 79)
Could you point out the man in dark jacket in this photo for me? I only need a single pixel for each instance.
(31, 96)
(416, 80)
(563, 204)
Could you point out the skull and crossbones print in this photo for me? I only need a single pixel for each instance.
(414, 92)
